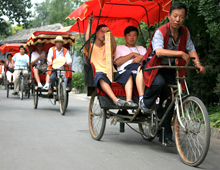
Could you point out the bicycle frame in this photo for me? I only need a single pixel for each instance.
(176, 95)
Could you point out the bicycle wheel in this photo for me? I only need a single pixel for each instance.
(62, 98)
(35, 98)
(193, 141)
(149, 128)
(97, 118)
(21, 88)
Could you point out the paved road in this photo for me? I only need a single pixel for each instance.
(42, 139)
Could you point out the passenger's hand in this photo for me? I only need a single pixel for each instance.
(186, 57)
(137, 59)
(91, 18)
(201, 69)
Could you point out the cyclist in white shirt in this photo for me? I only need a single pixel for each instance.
(20, 61)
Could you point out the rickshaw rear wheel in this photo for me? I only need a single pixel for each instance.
(67, 99)
(97, 118)
(35, 98)
(62, 98)
(193, 141)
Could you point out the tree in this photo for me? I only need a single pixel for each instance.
(16, 11)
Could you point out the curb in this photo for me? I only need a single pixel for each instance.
(215, 133)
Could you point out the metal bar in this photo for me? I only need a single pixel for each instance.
(171, 67)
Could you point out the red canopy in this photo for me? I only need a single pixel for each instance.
(46, 37)
(118, 14)
(12, 48)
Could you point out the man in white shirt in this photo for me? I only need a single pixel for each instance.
(20, 62)
(58, 51)
(38, 56)
(129, 56)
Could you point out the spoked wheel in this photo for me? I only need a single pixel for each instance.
(193, 141)
(7, 86)
(149, 128)
(97, 118)
(62, 98)
(21, 88)
(35, 97)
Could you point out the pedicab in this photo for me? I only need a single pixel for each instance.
(60, 91)
(13, 48)
(190, 122)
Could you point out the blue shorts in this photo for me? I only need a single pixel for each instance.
(119, 77)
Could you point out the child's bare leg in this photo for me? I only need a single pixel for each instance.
(140, 82)
(107, 89)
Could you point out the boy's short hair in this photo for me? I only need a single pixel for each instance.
(178, 6)
(129, 29)
(100, 26)
(21, 47)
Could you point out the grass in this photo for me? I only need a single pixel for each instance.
(214, 116)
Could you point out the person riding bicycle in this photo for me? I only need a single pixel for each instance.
(98, 58)
(129, 56)
(170, 40)
(39, 63)
(54, 52)
(20, 61)
(10, 67)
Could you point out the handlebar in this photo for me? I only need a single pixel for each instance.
(172, 67)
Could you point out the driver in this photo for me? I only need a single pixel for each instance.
(54, 52)
(171, 39)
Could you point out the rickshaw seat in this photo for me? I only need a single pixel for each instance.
(117, 88)
(42, 76)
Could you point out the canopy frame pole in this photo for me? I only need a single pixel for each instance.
(95, 33)
(84, 56)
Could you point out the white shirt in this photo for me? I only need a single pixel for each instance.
(35, 55)
(59, 54)
(123, 50)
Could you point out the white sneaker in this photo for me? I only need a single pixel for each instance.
(46, 87)
(39, 85)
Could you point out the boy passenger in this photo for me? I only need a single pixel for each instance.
(129, 56)
(98, 58)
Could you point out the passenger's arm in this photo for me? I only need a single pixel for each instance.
(122, 59)
(49, 57)
(34, 61)
(91, 19)
(68, 59)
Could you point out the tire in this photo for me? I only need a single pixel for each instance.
(35, 98)
(97, 118)
(21, 88)
(67, 99)
(62, 98)
(8, 86)
(193, 143)
(148, 130)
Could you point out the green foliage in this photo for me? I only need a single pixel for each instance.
(54, 11)
(217, 88)
(214, 116)
(78, 81)
(17, 11)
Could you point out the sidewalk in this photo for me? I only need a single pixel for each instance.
(80, 95)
